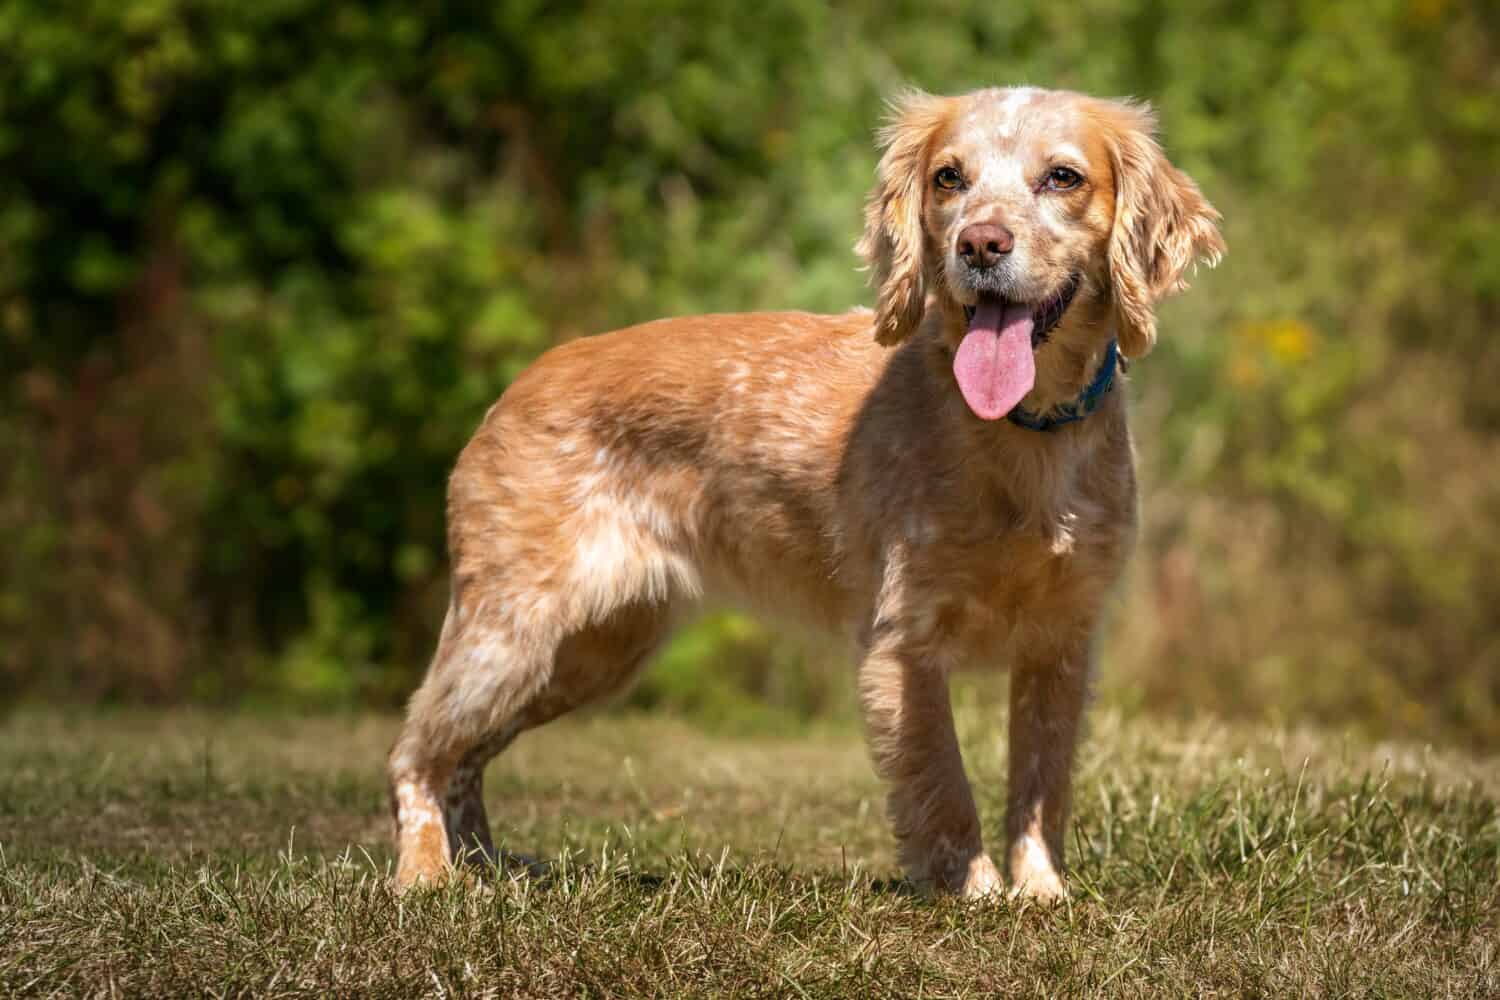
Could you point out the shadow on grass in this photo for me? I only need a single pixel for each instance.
(515, 866)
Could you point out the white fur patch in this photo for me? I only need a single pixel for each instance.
(494, 678)
(623, 553)
(1032, 873)
(416, 810)
(1068, 151)
(1007, 116)
(1033, 856)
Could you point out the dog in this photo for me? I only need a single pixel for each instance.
(948, 481)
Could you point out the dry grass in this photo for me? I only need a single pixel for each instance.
(179, 854)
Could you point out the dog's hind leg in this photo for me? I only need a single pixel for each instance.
(465, 712)
(488, 683)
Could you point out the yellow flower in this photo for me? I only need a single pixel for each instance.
(1290, 340)
(1427, 10)
(1287, 341)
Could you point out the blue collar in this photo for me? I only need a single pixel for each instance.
(1079, 408)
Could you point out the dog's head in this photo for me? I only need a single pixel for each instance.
(1043, 215)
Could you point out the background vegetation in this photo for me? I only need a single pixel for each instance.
(263, 266)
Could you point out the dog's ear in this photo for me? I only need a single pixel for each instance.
(1163, 224)
(894, 243)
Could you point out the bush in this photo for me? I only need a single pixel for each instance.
(262, 268)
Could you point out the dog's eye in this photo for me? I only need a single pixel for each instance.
(948, 179)
(1063, 178)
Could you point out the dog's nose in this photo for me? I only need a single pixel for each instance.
(983, 244)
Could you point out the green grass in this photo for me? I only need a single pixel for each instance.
(178, 854)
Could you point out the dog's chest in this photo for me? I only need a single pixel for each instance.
(976, 594)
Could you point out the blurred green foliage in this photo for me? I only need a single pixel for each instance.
(264, 266)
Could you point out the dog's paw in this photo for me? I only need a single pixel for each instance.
(1033, 876)
(1044, 887)
(421, 870)
(982, 880)
(410, 879)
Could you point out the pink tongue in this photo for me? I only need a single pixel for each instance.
(994, 366)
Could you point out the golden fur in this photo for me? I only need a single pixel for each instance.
(828, 467)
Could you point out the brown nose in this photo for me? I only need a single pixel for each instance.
(983, 244)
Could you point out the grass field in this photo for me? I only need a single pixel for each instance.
(183, 854)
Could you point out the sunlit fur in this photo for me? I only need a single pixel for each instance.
(826, 467)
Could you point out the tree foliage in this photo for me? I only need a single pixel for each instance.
(263, 267)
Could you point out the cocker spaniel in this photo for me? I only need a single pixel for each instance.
(947, 481)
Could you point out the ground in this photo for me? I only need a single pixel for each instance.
(180, 854)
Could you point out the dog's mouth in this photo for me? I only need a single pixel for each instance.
(1044, 316)
(994, 365)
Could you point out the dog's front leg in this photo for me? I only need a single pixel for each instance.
(910, 726)
(1048, 688)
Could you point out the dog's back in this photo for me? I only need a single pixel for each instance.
(670, 459)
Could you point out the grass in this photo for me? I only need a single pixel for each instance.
(177, 854)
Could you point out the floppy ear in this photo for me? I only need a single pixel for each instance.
(894, 243)
(1163, 225)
